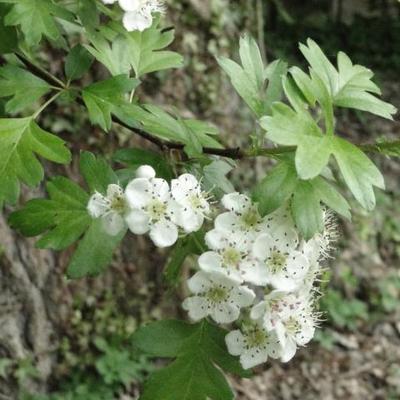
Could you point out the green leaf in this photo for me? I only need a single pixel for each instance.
(63, 215)
(274, 74)
(94, 251)
(113, 55)
(359, 172)
(102, 97)
(349, 85)
(289, 127)
(215, 177)
(134, 158)
(20, 139)
(8, 34)
(306, 210)
(197, 350)
(97, 172)
(191, 244)
(77, 62)
(276, 188)
(331, 197)
(24, 88)
(145, 50)
(36, 19)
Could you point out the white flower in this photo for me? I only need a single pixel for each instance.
(242, 221)
(109, 1)
(254, 344)
(152, 210)
(186, 191)
(229, 256)
(280, 264)
(291, 316)
(110, 208)
(217, 296)
(138, 13)
(145, 171)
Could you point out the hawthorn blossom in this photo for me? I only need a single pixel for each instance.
(138, 13)
(243, 220)
(254, 344)
(230, 256)
(291, 316)
(281, 264)
(111, 208)
(152, 210)
(217, 296)
(145, 171)
(194, 205)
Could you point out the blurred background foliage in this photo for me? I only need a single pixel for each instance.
(356, 353)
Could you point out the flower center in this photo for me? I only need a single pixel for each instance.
(156, 209)
(292, 325)
(217, 294)
(276, 261)
(118, 204)
(230, 257)
(256, 338)
(195, 201)
(250, 218)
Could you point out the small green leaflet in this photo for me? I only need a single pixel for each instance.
(215, 177)
(63, 215)
(146, 50)
(249, 80)
(24, 88)
(282, 184)
(191, 244)
(102, 97)
(192, 133)
(8, 34)
(20, 139)
(62, 219)
(36, 18)
(196, 350)
(349, 85)
(113, 55)
(77, 63)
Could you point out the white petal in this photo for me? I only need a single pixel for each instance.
(236, 202)
(114, 190)
(113, 223)
(262, 246)
(196, 306)
(235, 342)
(305, 335)
(146, 171)
(164, 233)
(225, 313)
(109, 1)
(226, 222)
(138, 222)
(135, 21)
(190, 221)
(254, 272)
(297, 265)
(274, 348)
(183, 186)
(97, 205)
(160, 189)
(243, 296)
(216, 239)
(288, 351)
(210, 261)
(258, 311)
(130, 5)
(138, 192)
(199, 282)
(253, 357)
(284, 282)
(285, 238)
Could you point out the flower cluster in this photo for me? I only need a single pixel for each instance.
(138, 13)
(150, 205)
(252, 256)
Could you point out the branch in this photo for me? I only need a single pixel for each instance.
(235, 153)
